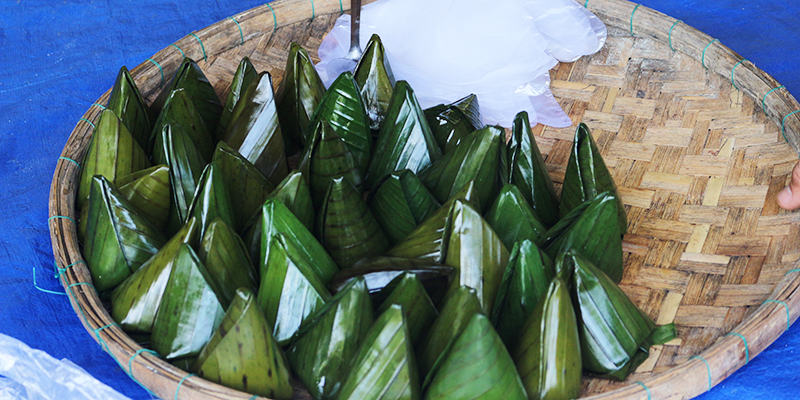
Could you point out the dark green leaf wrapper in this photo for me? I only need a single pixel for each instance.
(299, 94)
(513, 219)
(453, 122)
(400, 203)
(190, 78)
(419, 310)
(180, 112)
(225, 257)
(327, 157)
(128, 104)
(374, 77)
(242, 78)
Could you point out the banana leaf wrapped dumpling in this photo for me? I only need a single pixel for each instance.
(127, 102)
(374, 77)
(451, 123)
(190, 77)
(513, 219)
(400, 203)
(298, 96)
(242, 78)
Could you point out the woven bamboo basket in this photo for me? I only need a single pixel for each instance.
(699, 142)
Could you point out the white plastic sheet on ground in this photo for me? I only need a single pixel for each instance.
(499, 50)
(27, 373)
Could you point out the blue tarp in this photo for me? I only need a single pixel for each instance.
(58, 57)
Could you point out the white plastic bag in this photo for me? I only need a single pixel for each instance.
(500, 50)
(33, 374)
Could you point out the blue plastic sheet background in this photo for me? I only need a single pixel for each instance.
(58, 57)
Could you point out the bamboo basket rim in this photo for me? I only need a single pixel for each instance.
(720, 360)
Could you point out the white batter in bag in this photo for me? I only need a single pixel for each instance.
(500, 50)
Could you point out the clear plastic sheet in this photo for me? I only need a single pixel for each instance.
(26, 373)
(501, 51)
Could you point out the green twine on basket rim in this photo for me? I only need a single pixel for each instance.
(703, 60)
(792, 270)
(313, 13)
(341, 8)
(274, 18)
(102, 107)
(708, 368)
(646, 389)
(178, 389)
(746, 349)
(788, 315)
(159, 68)
(202, 47)
(241, 33)
(61, 217)
(179, 49)
(140, 351)
(77, 164)
(734, 71)
(61, 271)
(41, 289)
(90, 122)
(586, 5)
(764, 99)
(670, 33)
(633, 12)
(783, 124)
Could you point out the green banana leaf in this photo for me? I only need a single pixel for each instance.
(374, 77)
(400, 203)
(290, 289)
(174, 148)
(326, 157)
(513, 219)
(615, 334)
(190, 78)
(211, 199)
(128, 104)
(457, 309)
(529, 173)
(380, 273)
(295, 194)
(244, 76)
(405, 141)
(149, 193)
(476, 253)
(179, 111)
(525, 282)
(321, 351)
(255, 131)
(276, 218)
(134, 303)
(189, 312)
(548, 356)
(346, 227)
(477, 366)
(262, 370)
(476, 158)
(591, 230)
(384, 367)
(428, 241)
(408, 292)
(298, 95)
(343, 108)
(113, 152)
(119, 240)
(225, 257)
(587, 176)
(451, 123)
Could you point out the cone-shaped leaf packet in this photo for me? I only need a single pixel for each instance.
(346, 227)
(134, 303)
(587, 176)
(615, 334)
(428, 241)
(180, 111)
(451, 123)
(513, 219)
(343, 108)
(295, 194)
(374, 77)
(298, 95)
(409, 293)
(244, 76)
(225, 257)
(211, 199)
(405, 140)
(321, 351)
(525, 282)
(529, 173)
(262, 369)
(326, 157)
(477, 366)
(127, 102)
(400, 203)
(591, 231)
(457, 309)
(149, 192)
(476, 253)
(290, 289)
(190, 78)
(379, 273)
(276, 218)
(548, 356)
(113, 152)
(255, 132)
(245, 184)
(384, 367)
(476, 158)
(118, 240)
(189, 312)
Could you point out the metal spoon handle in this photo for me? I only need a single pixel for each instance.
(355, 23)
